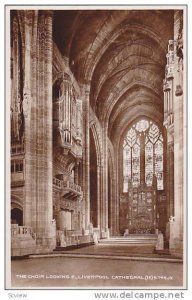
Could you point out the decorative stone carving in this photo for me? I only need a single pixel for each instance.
(126, 233)
(26, 102)
(179, 90)
(179, 47)
(16, 119)
(179, 44)
(16, 83)
(169, 69)
(66, 77)
(171, 219)
(142, 209)
(166, 85)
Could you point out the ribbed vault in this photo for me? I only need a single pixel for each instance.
(122, 55)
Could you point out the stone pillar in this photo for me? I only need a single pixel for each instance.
(29, 107)
(168, 87)
(57, 208)
(16, 83)
(176, 246)
(98, 194)
(170, 173)
(104, 186)
(86, 160)
(81, 183)
(37, 109)
(117, 189)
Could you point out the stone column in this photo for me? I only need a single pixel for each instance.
(104, 185)
(44, 134)
(57, 208)
(98, 194)
(37, 108)
(117, 189)
(168, 87)
(81, 183)
(86, 154)
(176, 246)
(170, 173)
(29, 107)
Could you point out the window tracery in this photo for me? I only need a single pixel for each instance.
(144, 134)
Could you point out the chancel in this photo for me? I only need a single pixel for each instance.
(97, 129)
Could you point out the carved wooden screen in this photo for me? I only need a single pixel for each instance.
(142, 209)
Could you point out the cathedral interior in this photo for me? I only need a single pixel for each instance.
(97, 128)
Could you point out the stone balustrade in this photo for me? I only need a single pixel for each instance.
(73, 186)
(67, 186)
(57, 182)
(22, 231)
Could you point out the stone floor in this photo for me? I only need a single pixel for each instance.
(91, 271)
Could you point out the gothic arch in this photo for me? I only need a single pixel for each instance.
(16, 202)
(16, 210)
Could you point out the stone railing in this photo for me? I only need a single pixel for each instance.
(57, 182)
(22, 231)
(67, 186)
(73, 186)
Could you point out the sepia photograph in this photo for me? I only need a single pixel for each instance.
(96, 120)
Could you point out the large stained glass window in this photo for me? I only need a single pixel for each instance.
(144, 140)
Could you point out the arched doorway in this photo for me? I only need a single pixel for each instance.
(17, 216)
(93, 182)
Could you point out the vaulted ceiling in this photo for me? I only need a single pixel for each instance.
(122, 55)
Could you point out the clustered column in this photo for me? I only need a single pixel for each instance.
(173, 121)
(86, 155)
(169, 124)
(178, 135)
(37, 109)
(104, 186)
